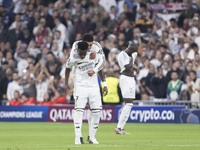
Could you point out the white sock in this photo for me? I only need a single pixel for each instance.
(94, 123)
(78, 118)
(124, 115)
(89, 121)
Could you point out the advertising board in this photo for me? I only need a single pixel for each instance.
(23, 113)
(151, 114)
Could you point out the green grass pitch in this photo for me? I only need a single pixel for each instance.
(60, 136)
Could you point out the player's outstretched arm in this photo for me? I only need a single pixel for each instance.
(67, 72)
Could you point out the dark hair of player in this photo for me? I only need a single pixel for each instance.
(133, 47)
(87, 37)
(83, 45)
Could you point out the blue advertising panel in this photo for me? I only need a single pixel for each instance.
(151, 114)
(23, 113)
(65, 114)
(187, 116)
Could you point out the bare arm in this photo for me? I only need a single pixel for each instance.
(102, 75)
(67, 72)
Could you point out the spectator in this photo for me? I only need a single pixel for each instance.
(16, 101)
(42, 82)
(194, 49)
(15, 85)
(186, 88)
(174, 87)
(28, 82)
(53, 65)
(14, 35)
(159, 83)
(41, 31)
(59, 42)
(59, 26)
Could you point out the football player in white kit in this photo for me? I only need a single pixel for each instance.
(94, 49)
(126, 61)
(86, 90)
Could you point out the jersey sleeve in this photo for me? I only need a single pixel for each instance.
(134, 55)
(74, 49)
(123, 59)
(99, 64)
(70, 63)
(99, 49)
(100, 57)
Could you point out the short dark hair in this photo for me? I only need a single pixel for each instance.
(133, 47)
(194, 45)
(83, 45)
(172, 20)
(87, 37)
(174, 71)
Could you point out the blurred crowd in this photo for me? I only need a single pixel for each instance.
(36, 38)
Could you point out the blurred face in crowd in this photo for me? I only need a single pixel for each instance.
(136, 32)
(24, 98)
(121, 37)
(43, 77)
(11, 63)
(42, 22)
(177, 57)
(15, 77)
(45, 50)
(197, 57)
(8, 55)
(151, 68)
(50, 57)
(16, 95)
(146, 62)
(84, 17)
(57, 35)
(188, 79)
(189, 66)
(176, 65)
(165, 66)
(174, 76)
(195, 22)
(158, 55)
(173, 24)
(18, 25)
(125, 24)
(193, 75)
(9, 73)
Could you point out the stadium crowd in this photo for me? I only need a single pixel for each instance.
(36, 38)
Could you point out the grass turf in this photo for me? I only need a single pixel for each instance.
(60, 136)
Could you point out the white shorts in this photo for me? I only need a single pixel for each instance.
(90, 95)
(127, 86)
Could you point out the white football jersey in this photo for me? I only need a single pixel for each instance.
(81, 66)
(95, 47)
(124, 59)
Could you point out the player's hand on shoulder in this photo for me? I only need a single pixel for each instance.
(90, 72)
(93, 55)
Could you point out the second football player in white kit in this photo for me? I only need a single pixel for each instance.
(86, 90)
